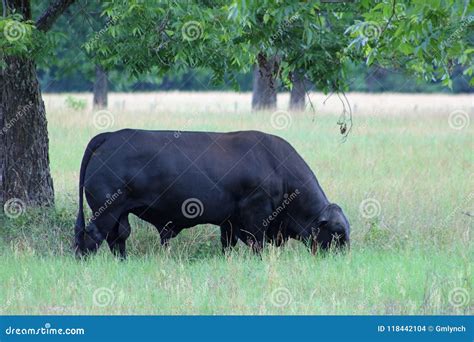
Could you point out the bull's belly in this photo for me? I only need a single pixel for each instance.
(187, 209)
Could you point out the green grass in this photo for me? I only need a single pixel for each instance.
(415, 257)
(283, 281)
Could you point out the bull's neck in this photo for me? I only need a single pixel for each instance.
(315, 200)
(310, 203)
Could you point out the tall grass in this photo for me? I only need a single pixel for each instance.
(413, 255)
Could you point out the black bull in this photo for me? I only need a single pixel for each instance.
(255, 186)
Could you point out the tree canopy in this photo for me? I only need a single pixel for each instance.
(324, 39)
(429, 38)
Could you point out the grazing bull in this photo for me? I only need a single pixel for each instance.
(253, 185)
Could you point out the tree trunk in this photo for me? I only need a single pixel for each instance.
(298, 92)
(100, 88)
(264, 83)
(24, 160)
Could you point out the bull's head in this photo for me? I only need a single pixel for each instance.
(331, 229)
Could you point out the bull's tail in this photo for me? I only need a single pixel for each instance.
(79, 229)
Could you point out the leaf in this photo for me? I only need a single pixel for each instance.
(266, 17)
(406, 48)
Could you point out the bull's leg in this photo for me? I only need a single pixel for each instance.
(124, 230)
(99, 229)
(165, 241)
(228, 236)
(111, 239)
(117, 238)
(93, 238)
(166, 233)
(255, 241)
(256, 210)
(277, 234)
(105, 227)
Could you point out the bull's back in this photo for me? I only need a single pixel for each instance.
(214, 155)
(169, 165)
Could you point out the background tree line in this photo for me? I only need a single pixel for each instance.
(366, 79)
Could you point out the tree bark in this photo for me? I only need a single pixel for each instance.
(24, 160)
(264, 95)
(52, 13)
(101, 88)
(298, 91)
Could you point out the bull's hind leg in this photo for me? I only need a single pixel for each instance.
(105, 227)
(118, 237)
(228, 236)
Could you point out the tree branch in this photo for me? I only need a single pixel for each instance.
(49, 16)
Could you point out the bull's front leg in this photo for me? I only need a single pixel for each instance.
(256, 208)
(228, 236)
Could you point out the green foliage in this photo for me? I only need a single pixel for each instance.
(76, 104)
(319, 38)
(21, 38)
(305, 36)
(429, 38)
(226, 39)
(162, 34)
(17, 36)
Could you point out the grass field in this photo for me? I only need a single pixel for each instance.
(404, 178)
